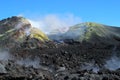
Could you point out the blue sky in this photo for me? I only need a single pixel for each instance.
(101, 11)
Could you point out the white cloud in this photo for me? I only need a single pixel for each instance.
(51, 22)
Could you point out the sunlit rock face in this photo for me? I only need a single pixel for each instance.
(16, 30)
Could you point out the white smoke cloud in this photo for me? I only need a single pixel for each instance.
(51, 22)
(27, 28)
(4, 56)
(113, 63)
(19, 25)
(29, 62)
(90, 66)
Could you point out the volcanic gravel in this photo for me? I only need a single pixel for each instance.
(60, 61)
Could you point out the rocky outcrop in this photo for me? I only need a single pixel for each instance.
(90, 32)
(17, 30)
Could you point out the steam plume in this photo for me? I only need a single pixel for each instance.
(51, 22)
(113, 63)
(4, 56)
(90, 66)
(29, 62)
